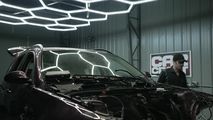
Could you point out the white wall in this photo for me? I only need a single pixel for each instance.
(167, 26)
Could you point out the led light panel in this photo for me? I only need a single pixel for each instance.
(58, 15)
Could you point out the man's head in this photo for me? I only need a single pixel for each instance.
(178, 61)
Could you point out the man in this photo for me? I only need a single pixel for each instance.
(174, 75)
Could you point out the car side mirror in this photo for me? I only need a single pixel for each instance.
(18, 77)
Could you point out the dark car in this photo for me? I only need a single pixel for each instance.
(55, 83)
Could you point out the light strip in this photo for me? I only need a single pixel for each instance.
(71, 25)
(136, 2)
(114, 13)
(90, 1)
(56, 21)
(12, 6)
(92, 19)
(48, 68)
(11, 23)
(61, 29)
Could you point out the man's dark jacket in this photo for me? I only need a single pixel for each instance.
(169, 76)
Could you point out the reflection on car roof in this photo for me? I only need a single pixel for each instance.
(77, 49)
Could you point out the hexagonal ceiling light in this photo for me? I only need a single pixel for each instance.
(62, 15)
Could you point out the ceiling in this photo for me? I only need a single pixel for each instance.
(62, 15)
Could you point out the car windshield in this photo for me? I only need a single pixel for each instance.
(84, 62)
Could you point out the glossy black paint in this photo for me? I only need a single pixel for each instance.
(16, 77)
(27, 96)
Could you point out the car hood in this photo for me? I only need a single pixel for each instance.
(134, 98)
(157, 102)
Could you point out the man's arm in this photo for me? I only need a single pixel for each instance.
(162, 77)
(185, 82)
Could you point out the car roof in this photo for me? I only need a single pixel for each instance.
(15, 50)
(64, 48)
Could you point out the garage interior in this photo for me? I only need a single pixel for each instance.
(154, 27)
